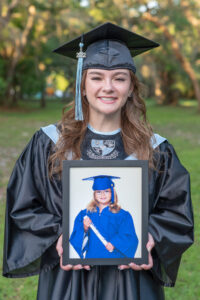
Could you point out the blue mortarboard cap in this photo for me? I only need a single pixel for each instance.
(103, 182)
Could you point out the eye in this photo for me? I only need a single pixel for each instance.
(96, 78)
(120, 79)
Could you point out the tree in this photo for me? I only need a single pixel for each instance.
(13, 49)
(185, 63)
(29, 35)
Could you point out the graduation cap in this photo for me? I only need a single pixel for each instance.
(107, 47)
(103, 182)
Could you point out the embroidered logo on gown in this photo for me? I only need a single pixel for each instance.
(102, 147)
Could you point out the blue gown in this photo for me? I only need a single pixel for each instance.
(116, 228)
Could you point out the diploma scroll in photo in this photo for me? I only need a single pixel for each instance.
(121, 228)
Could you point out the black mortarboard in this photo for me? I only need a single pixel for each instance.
(107, 47)
(135, 43)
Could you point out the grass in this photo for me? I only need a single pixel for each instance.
(181, 126)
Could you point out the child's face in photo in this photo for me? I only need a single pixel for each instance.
(103, 196)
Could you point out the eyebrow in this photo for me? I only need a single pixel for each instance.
(99, 73)
(121, 73)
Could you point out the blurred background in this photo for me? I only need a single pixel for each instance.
(30, 30)
(35, 84)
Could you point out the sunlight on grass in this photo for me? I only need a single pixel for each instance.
(187, 103)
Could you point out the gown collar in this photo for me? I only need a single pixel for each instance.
(105, 209)
(102, 132)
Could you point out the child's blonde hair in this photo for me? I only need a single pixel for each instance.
(114, 207)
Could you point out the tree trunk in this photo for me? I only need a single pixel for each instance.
(43, 99)
(20, 45)
(159, 93)
(164, 91)
(14, 99)
(178, 54)
(10, 77)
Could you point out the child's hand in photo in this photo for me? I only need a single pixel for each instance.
(110, 247)
(86, 223)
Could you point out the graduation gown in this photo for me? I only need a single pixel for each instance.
(34, 223)
(116, 228)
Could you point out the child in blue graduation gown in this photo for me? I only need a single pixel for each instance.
(115, 225)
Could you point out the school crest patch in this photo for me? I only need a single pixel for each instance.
(102, 147)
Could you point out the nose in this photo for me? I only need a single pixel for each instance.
(103, 193)
(108, 86)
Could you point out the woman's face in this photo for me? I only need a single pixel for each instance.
(103, 196)
(107, 90)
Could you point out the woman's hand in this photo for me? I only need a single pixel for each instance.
(86, 223)
(135, 267)
(59, 249)
(110, 247)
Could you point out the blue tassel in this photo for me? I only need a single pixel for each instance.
(78, 102)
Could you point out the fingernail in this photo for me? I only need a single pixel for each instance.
(120, 268)
(149, 249)
(79, 266)
(69, 267)
(130, 264)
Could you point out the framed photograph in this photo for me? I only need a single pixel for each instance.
(105, 212)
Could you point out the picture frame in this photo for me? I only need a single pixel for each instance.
(86, 247)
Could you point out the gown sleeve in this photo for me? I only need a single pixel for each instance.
(33, 212)
(78, 235)
(171, 216)
(126, 240)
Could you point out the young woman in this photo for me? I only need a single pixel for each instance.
(112, 113)
(115, 225)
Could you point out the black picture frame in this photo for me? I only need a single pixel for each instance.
(132, 185)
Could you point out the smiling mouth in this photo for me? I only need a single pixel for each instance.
(107, 100)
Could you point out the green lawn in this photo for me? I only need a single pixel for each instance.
(181, 126)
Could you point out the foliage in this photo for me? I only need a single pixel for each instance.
(2, 77)
(32, 29)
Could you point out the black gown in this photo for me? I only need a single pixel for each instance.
(34, 223)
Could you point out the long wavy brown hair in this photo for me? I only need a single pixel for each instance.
(113, 207)
(136, 132)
